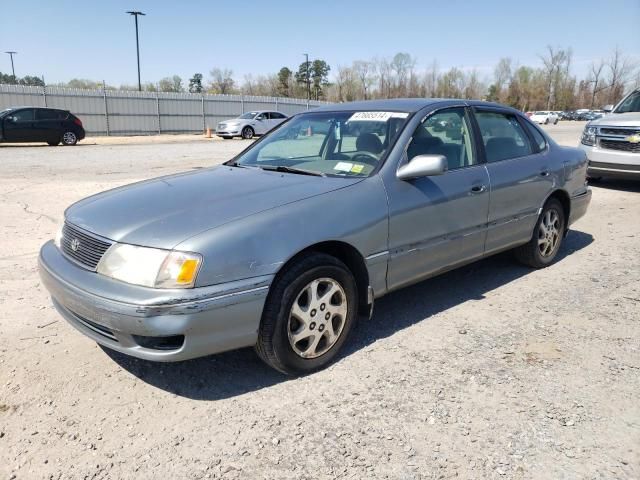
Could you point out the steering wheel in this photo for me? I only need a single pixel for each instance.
(367, 157)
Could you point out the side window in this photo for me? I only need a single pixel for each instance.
(277, 116)
(24, 115)
(263, 116)
(538, 138)
(503, 136)
(447, 133)
(43, 114)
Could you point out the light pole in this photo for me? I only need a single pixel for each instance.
(13, 70)
(308, 77)
(135, 15)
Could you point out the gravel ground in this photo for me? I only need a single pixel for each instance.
(490, 371)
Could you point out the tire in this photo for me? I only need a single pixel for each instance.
(556, 122)
(69, 138)
(280, 325)
(547, 237)
(248, 133)
(546, 121)
(53, 144)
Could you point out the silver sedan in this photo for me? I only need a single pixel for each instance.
(250, 124)
(285, 245)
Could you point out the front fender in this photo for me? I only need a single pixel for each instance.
(260, 244)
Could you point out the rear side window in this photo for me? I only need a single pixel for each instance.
(277, 115)
(538, 138)
(503, 136)
(43, 114)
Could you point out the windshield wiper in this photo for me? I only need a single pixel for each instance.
(284, 168)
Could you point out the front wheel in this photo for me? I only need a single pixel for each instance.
(546, 121)
(547, 237)
(308, 315)
(556, 122)
(247, 133)
(69, 138)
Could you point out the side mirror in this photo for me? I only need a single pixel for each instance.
(423, 166)
(607, 108)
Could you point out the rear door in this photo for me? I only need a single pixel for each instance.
(439, 221)
(19, 126)
(48, 124)
(522, 175)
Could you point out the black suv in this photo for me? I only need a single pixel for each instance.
(37, 124)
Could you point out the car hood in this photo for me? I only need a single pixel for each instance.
(631, 119)
(234, 120)
(165, 211)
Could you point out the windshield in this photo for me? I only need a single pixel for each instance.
(248, 115)
(348, 143)
(630, 104)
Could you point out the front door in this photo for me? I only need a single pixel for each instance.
(521, 173)
(19, 126)
(439, 221)
(262, 123)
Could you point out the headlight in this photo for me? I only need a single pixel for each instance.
(150, 267)
(589, 136)
(58, 238)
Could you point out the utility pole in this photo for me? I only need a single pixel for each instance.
(308, 77)
(135, 15)
(13, 70)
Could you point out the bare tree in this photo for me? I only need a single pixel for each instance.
(365, 71)
(502, 75)
(556, 63)
(596, 72)
(620, 69)
(222, 80)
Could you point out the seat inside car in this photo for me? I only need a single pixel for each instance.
(500, 148)
(369, 142)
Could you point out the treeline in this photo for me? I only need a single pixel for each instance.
(550, 85)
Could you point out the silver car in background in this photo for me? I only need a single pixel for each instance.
(612, 143)
(250, 124)
(287, 244)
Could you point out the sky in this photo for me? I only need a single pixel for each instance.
(65, 39)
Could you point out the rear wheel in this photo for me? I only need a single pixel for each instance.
(69, 138)
(247, 133)
(556, 122)
(308, 315)
(547, 237)
(546, 121)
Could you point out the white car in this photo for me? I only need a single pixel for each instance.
(544, 117)
(249, 124)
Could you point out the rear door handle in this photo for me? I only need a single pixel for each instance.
(544, 173)
(478, 189)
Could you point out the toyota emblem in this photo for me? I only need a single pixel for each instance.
(75, 244)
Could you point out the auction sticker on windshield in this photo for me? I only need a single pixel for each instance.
(376, 116)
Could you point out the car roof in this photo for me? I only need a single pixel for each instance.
(403, 104)
(34, 106)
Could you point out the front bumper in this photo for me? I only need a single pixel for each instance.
(154, 324)
(611, 163)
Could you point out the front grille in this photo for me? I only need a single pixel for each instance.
(84, 248)
(620, 145)
(618, 131)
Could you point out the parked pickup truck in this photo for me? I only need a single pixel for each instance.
(612, 143)
(38, 124)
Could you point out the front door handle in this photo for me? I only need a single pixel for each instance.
(478, 189)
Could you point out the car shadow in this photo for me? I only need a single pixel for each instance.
(617, 184)
(40, 145)
(237, 372)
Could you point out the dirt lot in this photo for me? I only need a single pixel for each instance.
(491, 371)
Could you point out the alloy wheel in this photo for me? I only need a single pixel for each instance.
(549, 233)
(69, 138)
(317, 318)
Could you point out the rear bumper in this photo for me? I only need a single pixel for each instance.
(158, 325)
(579, 205)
